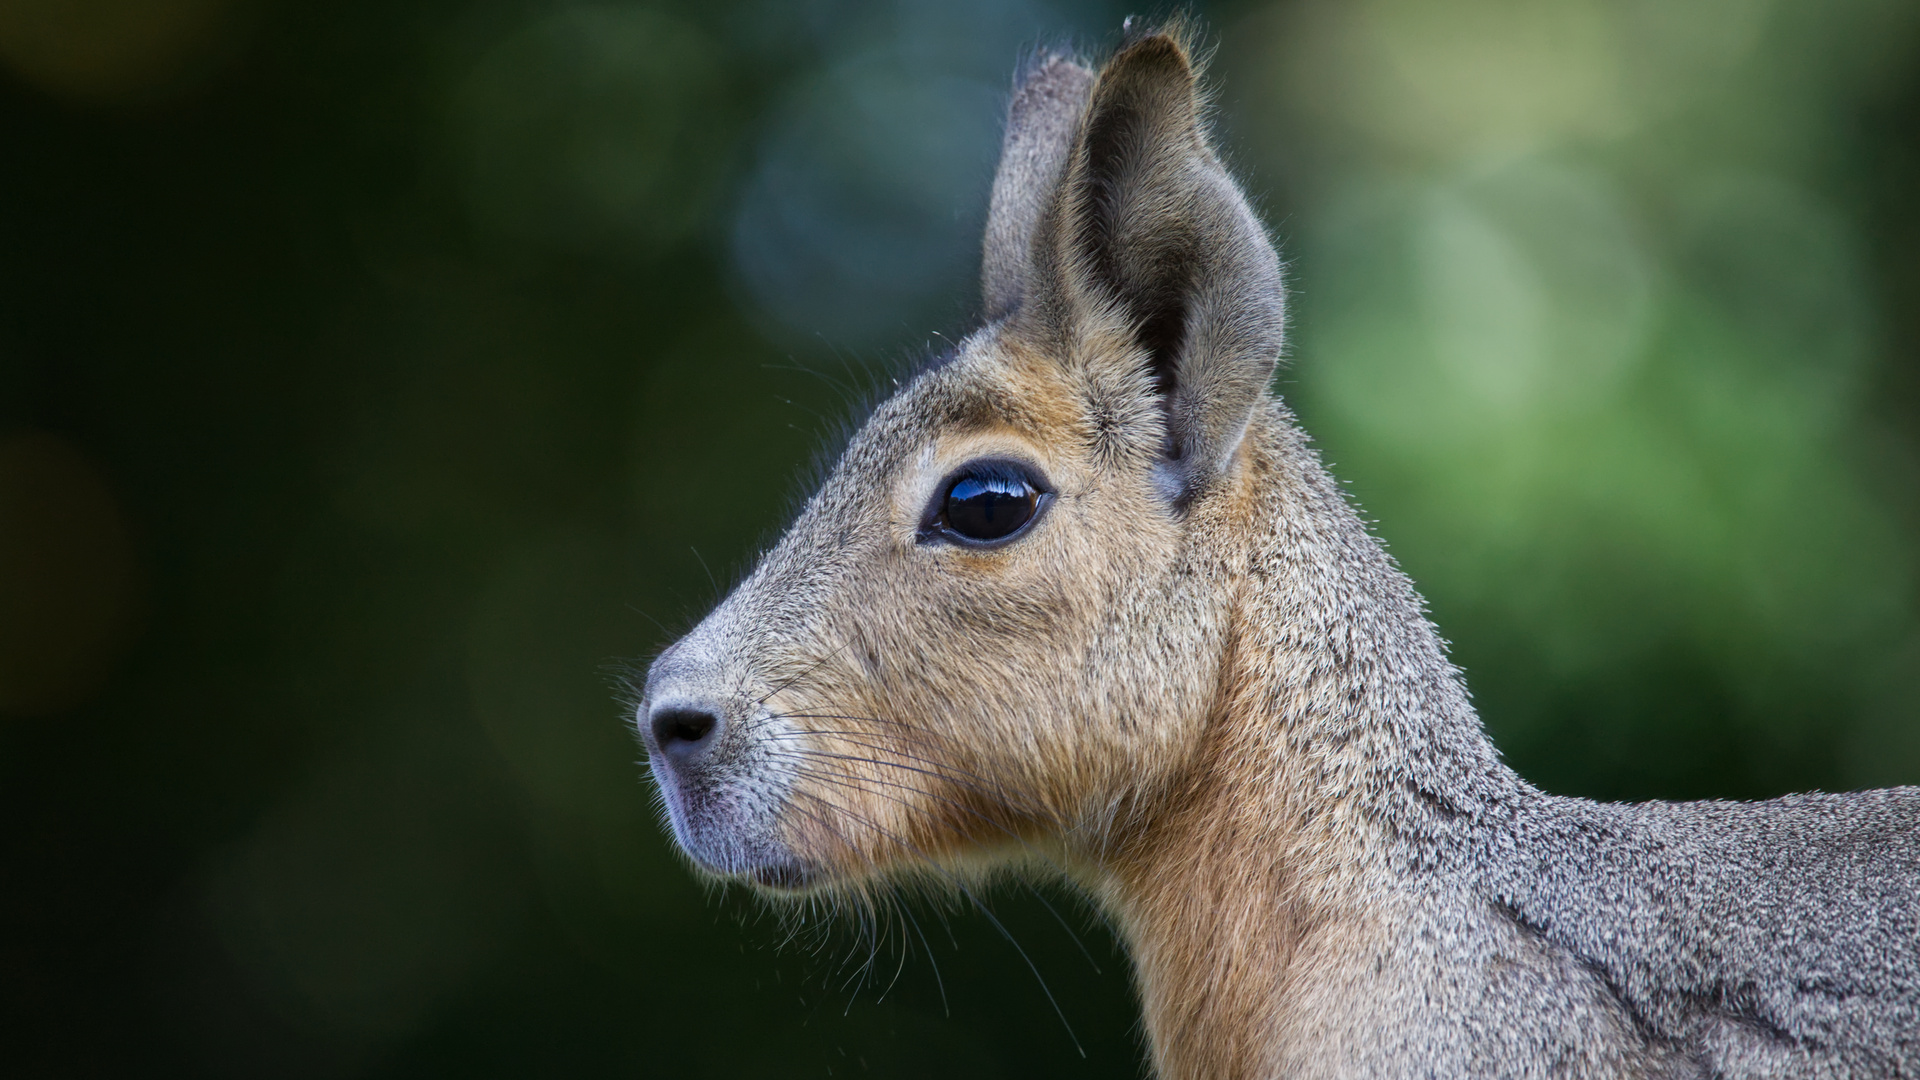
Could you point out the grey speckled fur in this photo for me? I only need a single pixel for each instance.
(1199, 687)
(1714, 939)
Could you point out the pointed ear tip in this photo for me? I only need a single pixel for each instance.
(1177, 36)
(1159, 44)
(1162, 52)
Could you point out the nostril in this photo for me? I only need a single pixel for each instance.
(677, 731)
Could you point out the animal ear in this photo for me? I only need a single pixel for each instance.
(1048, 97)
(1148, 235)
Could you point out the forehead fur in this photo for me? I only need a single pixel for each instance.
(1092, 398)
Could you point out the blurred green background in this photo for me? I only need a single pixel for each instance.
(375, 374)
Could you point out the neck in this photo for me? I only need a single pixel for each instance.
(1342, 764)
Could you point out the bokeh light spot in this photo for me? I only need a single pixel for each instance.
(866, 199)
(594, 128)
(110, 50)
(66, 575)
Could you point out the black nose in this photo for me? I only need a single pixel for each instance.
(681, 733)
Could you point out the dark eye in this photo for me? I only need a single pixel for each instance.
(986, 504)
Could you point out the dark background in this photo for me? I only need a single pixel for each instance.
(375, 375)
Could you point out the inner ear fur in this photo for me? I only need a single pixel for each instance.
(1146, 230)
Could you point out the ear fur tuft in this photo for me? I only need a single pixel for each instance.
(1145, 234)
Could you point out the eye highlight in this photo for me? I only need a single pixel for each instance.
(986, 502)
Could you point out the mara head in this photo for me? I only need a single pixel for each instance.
(1000, 623)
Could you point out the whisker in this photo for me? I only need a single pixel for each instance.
(906, 947)
(711, 580)
(847, 781)
(916, 730)
(854, 783)
(1057, 917)
(1031, 966)
(901, 908)
(815, 752)
(967, 781)
(808, 670)
(978, 905)
(934, 770)
(1072, 935)
(864, 739)
(938, 982)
